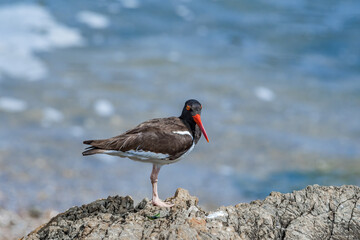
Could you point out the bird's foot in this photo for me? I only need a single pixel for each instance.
(158, 202)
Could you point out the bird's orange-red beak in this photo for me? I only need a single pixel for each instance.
(197, 119)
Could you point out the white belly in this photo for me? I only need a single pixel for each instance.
(139, 155)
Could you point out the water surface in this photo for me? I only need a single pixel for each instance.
(279, 84)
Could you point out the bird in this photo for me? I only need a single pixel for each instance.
(159, 141)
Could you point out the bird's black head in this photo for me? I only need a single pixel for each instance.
(191, 108)
(191, 114)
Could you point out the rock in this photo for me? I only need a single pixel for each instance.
(313, 213)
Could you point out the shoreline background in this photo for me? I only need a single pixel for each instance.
(279, 83)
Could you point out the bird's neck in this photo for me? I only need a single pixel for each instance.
(192, 127)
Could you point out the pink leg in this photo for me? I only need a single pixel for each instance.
(154, 179)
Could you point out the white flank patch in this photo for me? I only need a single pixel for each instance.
(139, 154)
(92, 19)
(26, 29)
(183, 133)
(104, 108)
(12, 104)
(264, 94)
(148, 155)
(217, 215)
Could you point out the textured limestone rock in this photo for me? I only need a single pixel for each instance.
(312, 213)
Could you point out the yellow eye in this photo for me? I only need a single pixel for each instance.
(188, 107)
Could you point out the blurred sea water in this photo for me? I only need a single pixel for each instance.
(279, 83)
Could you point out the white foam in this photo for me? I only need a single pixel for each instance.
(104, 108)
(93, 19)
(12, 104)
(51, 115)
(184, 12)
(264, 94)
(26, 29)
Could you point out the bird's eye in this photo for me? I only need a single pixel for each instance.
(188, 107)
(200, 106)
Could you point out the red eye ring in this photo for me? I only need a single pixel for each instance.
(188, 107)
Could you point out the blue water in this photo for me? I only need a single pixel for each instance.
(279, 83)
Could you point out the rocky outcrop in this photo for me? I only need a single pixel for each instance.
(313, 213)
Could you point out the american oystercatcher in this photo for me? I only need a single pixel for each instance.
(159, 141)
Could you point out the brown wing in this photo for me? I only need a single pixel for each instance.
(156, 135)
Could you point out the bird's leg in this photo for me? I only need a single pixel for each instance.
(154, 179)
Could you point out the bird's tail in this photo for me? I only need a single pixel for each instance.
(91, 150)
